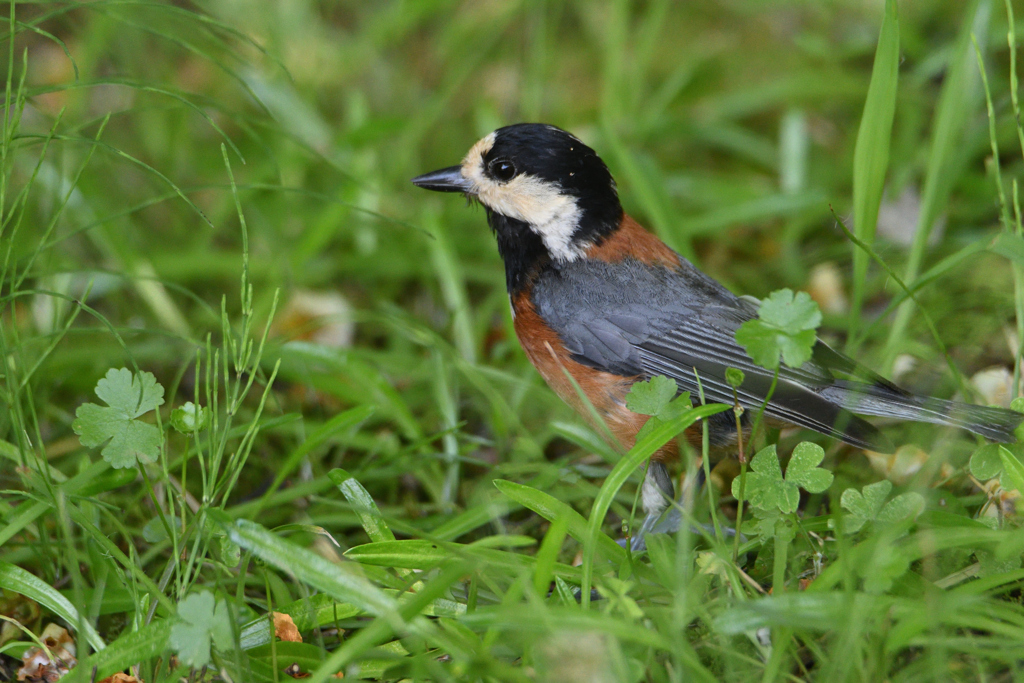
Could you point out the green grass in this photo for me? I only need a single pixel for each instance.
(175, 180)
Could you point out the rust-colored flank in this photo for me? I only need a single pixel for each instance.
(605, 390)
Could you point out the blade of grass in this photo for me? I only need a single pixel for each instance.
(19, 581)
(148, 642)
(345, 421)
(957, 101)
(622, 471)
(310, 568)
(871, 153)
(362, 502)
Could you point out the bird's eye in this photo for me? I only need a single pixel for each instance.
(502, 169)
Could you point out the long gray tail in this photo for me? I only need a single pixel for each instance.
(996, 424)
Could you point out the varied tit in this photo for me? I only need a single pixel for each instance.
(593, 293)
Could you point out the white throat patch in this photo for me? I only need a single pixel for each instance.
(550, 213)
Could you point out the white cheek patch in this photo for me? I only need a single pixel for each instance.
(541, 204)
(549, 213)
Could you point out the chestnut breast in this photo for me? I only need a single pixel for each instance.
(606, 391)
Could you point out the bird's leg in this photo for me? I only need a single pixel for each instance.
(656, 494)
(670, 523)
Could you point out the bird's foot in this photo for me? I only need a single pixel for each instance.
(670, 523)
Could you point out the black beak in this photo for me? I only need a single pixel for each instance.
(446, 180)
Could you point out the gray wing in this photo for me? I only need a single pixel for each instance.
(630, 318)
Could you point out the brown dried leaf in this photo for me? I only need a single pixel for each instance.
(121, 678)
(284, 628)
(295, 671)
(36, 665)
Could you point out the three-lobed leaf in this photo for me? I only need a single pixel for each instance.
(128, 439)
(201, 619)
(652, 396)
(863, 506)
(785, 328)
(868, 505)
(657, 397)
(767, 489)
(803, 468)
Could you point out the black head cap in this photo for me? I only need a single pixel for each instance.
(553, 155)
(548, 196)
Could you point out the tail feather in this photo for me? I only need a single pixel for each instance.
(996, 424)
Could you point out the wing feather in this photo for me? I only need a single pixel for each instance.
(630, 318)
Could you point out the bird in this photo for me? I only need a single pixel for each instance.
(596, 296)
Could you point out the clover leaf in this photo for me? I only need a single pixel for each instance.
(768, 524)
(652, 396)
(785, 326)
(985, 462)
(999, 460)
(863, 506)
(767, 489)
(868, 505)
(201, 618)
(803, 468)
(128, 439)
(657, 398)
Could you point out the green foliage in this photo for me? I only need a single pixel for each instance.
(128, 440)
(871, 154)
(657, 397)
(1003, 461)
(202, 619)
(985, 462)
(771, 523)
(884, 566)
(18, 581)
(652, 396)
(785, 327)
(767, 489)
(167, 171)
(156, 531)
(361, 500)
(1013, 471)
(868, 505)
